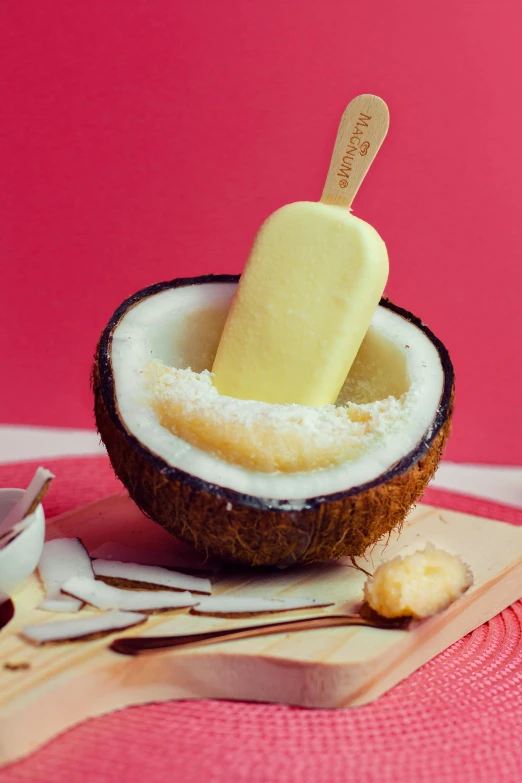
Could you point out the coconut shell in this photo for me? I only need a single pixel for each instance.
(257, 531)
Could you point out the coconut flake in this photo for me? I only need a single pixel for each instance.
(153, 575)
(111, 550)
(62, 559)
(244, 604)
(105, 596)
(62, 604)
(13, 532)
(28, 501)
(68, 630)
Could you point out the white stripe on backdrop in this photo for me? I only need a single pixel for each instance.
(493, 482)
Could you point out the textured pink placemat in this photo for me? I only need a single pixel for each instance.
(458, 719)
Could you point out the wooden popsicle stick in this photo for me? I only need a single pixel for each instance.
(362, 130)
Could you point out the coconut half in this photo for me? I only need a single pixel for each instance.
(249, 516)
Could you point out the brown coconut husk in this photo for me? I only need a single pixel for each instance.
(255, 531)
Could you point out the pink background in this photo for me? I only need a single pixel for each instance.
(146, 140)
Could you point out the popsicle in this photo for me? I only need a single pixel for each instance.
(312, 282)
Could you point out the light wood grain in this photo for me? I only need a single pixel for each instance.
(335, 667)
(362, 130)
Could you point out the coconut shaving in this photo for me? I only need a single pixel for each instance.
(263, 436)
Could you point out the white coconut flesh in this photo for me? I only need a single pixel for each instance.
(68, 630)
(181, 328)
(153, 575)
(62, 559)
(104, 596)
(239, 604)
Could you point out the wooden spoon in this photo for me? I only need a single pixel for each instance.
(137, 645)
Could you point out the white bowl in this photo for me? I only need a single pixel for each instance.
(19, 559)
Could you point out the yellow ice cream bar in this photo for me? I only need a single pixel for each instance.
(303, 305)
(311, 284)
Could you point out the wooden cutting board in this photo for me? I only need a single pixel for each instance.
(337, 667)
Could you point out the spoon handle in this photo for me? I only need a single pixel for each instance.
(136, 645)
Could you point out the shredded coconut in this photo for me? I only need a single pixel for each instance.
(263, 436)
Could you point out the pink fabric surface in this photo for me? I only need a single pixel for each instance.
(456, 720)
